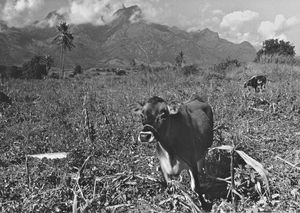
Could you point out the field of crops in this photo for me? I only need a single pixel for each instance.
(108, 170)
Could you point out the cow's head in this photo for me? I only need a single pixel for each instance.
(153, 113)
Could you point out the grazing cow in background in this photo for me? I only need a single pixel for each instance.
(256, 82)
(120, 72)
(184, 136)
(5, 99)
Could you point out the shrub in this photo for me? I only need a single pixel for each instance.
(229, 63)
(35, 68)
(276, 51)
(77, 70)
(54, 75)
(190, 70)
(14, 72)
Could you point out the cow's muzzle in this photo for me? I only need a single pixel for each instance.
(146, 137)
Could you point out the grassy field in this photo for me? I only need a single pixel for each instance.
(91, 116)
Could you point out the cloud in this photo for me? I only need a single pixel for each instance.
(19, 12)
(217, 12)
(150, 11)
(236, 19)
(208, 18)
(88, 11)
(100, 12)
(239, 26)
(278, 28)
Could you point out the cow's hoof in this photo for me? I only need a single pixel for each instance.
(206, 205)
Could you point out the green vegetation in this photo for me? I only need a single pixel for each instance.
(107, 170)
(65, 40)
(179, 59)
(278, 51)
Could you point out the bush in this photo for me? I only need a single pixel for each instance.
(54, 75)
(36, 68)
(277, 59)
(77, 70)
(33, 70)
(14, 72)
(229, 63)
(190, 70)
(276, 51)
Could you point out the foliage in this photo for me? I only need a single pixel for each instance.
(275, 47)
(64, 39)
(14, 72)
(77, 70)
(227, 64)
(49, 61)
(179, 59)
(190, 70)
(36, 68)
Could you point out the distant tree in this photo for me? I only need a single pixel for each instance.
(179, 60)
(36, 68)
(49, 61)
(227, 64)
(77, 70)
(275, 47)
(190, 70)
(15, 72)
(65, 40)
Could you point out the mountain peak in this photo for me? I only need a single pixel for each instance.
(246, 43)
(209, 33)
(206, 34)
(54, 15)
(130, 14)
(128, 11)
(52, 19)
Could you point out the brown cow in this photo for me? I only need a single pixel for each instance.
(183, 136)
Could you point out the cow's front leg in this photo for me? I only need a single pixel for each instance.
(165, 177)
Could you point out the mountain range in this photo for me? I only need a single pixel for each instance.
(128, 37)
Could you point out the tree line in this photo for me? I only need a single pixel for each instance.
(274, 50)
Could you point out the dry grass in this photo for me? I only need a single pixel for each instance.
(49, 116)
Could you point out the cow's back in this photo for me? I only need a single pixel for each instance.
(201, 116)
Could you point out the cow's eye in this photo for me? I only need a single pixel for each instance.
(161, 116)
(143, 117)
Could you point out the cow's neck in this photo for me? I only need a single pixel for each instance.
(165, 137)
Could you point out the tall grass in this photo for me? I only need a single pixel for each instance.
(47, 116)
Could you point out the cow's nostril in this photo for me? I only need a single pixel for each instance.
(148, 136)
(145, 137)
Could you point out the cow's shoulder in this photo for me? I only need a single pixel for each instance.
(196, 104)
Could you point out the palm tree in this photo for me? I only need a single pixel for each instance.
(65, 40)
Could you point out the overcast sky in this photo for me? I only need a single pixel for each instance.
(235, 20)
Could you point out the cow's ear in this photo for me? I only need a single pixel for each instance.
(138, 109)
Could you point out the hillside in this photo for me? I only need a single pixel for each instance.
(126, 38)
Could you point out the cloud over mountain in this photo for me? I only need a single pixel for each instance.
(278, 28)
(18, 12)
(236, 19)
